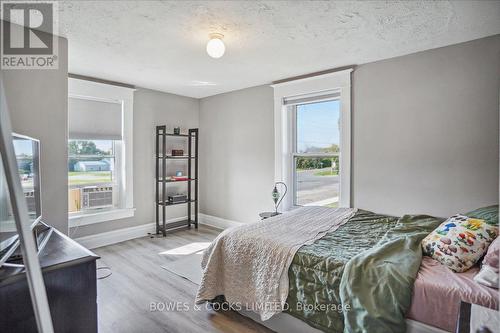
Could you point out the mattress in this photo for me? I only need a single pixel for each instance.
(438, 291)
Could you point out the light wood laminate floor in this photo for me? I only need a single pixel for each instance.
(137, 280)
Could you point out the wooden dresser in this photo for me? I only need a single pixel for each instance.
(69, 272)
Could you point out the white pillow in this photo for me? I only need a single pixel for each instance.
(487, 276)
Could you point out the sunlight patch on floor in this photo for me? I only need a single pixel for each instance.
(187, 249)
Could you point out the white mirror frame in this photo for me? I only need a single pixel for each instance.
(20, 211)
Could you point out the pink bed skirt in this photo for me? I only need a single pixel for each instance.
(438, 292)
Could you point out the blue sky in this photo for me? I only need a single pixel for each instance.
(23, 147)
(318, 125)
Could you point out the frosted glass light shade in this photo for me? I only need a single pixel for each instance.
(216, 47)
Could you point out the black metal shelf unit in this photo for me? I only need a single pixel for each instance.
(162, 158)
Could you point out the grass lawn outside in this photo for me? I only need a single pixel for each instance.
(89, 178)
(326, 173)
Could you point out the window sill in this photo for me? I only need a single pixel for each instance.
(77, 220)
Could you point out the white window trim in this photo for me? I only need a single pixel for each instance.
(283, 130)
(78, 88)
(80, 219)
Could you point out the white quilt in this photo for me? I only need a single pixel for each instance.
(249, 264)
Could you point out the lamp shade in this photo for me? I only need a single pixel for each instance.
(215, 46)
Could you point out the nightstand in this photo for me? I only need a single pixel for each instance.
(474, 318)
(266, 215)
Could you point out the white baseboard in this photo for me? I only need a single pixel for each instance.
(120, 235)
(217, 222)
(115, 236)
(124, 234)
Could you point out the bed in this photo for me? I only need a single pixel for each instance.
(333, 271)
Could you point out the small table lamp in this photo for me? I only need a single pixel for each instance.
(277, 197)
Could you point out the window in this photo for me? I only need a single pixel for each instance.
(313, 139)
(100, 164)
(316, 153)
(91, 163)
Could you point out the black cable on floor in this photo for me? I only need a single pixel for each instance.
(105, 276)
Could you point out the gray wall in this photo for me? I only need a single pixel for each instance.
(37, 101)
(425, 130)
(425, 137)
(151, 108)
(237, 154)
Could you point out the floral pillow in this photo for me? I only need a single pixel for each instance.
(459, 242)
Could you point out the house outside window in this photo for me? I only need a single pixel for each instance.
(91, 164)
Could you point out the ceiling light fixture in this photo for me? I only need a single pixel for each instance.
(215, 46)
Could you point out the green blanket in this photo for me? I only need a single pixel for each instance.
(377, 284)
(361, 275)
(316, 270)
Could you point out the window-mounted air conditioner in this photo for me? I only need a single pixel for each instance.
(97, 197)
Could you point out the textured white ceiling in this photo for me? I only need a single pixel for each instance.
(161, 44)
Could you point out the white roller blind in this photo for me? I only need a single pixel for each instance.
(89, 119)
(312, 98)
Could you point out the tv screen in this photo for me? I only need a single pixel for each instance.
(27, 152)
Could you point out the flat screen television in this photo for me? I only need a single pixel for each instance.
(27, 152)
